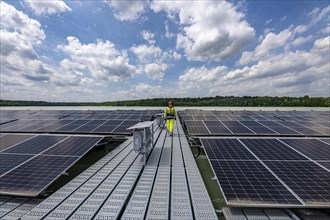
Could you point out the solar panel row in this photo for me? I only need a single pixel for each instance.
(285, 172)
(29, 163)
(70, 126)
(69, 121)
(199, 127)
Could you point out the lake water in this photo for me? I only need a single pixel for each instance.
(157, 107)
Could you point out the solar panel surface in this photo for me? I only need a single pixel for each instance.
(35, 175)
(249, 182)
(306, 179)
(312, 148)
(32, 164)
(35, 145)
(10, 140)
(226, 149)
(271, 149)
(73, 146)
(10, 161)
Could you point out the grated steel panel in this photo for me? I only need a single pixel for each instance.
(201, 202)
(165, 160)
(180, 201)
(159, 202)
(177, 159)
(120, 194)
(137, 206)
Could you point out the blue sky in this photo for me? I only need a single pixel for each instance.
(121, 50)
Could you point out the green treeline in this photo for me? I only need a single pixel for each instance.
(305, 101)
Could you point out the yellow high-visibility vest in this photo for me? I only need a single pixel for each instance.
(170, 113)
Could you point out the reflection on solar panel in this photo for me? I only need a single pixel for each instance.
(248, 169)
(228, 149)
(35, 175)
(122, 128)
(10, 161)
(73, 146)
(35, 145)
(271, 149)
(325, 140)
(236, 127)
(312, 148)
(75, 121)
(196, 127)
(10, 140)
(306, 179)
(326, 164)
(31, 165)
(90, 126)
(249, 182)
(260, 123)
(216, 127)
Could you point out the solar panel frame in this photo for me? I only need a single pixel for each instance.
(262, 130)
(39, 144)
(10, 161)
(325, 164)
(306, 179)
(271, 149)
(306, 131)
(73, 146)
(325, 140)
(13, 183)
(311, 148)
(216, 127)
(122, 128)
(11, 140)
(267, 190)
(196, 128)
(226, 149)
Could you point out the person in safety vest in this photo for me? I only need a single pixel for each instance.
(170, 116)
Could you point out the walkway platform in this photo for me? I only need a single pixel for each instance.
(119, 186)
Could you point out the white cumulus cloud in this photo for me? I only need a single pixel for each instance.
(291, 73)
(128, 10)
(148, 36)
(20, 35)
(147, 53)
(155, 71)
(152, 60)
(271, 42)
(211, 30)
(42, 7)
(101, 59)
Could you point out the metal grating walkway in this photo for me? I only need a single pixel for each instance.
(119, 187)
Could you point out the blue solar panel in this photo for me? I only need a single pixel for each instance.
(10, 140)
(35, 145)
(216, 127)
(250, 183)
(10, 161)
(228, 149)
(271, 149)
(306, 179)
(35, 175)
(312, 148)
(73, 146)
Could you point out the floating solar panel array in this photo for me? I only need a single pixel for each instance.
(269, 172)
(73, 122)
(247, 123)
(30, 163)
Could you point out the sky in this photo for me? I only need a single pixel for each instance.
(96, 51)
